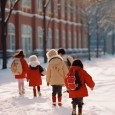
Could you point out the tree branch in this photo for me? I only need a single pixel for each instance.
(11, 9)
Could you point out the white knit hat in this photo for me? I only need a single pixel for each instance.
(33, 61)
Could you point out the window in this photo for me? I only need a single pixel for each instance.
(75, 40)
(63, 8)
(26, 32)
(40, 38)
(40, 4)
(57, 38)
(69, 9)
(49, 5)
(69, 40)
(64, 42)
(11, 34)
(26, 3)
(49, 39)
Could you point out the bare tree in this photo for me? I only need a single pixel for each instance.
(3, 24)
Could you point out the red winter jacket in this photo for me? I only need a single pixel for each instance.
(25, 69)
(34, 77)
(86, 79)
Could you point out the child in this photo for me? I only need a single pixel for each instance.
(67, 59)
(34, 74)
(77, 95)
(20, 56)
(56, 72)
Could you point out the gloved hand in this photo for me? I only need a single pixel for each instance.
(47, 84)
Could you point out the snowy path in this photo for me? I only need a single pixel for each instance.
(101, 101)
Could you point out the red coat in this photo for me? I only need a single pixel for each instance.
(86, 79)
(34, 77)
(25, 69)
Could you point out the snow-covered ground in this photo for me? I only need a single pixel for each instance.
(101, 100)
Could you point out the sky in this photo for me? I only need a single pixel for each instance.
(101, 101)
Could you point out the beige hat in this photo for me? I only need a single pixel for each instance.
(52, 53)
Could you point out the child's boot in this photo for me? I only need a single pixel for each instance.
(59, 101)
(74, 109)
(38, 88)
(53, 100)
(79, 110)
(34, 92)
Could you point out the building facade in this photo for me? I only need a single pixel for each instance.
(63, 25)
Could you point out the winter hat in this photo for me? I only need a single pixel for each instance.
(19, 54)
(61, 51)
(52, 53)
(77, 63)
(33, 61)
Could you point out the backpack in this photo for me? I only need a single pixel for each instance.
(16, 67)
(72, 81)
(68, 62)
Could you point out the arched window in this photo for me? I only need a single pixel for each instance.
(11, 34)
(40, 38)
(26, 32)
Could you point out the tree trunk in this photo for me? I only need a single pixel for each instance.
(3, 34)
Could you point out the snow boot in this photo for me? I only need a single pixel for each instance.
(59, 101)
(53, 100)
(79, 110)
(74, 109)
(38, 88)
(34, 92)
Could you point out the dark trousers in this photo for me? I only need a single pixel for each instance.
(78, 101)
(56, 89)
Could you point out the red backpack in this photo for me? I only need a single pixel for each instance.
(72, 81)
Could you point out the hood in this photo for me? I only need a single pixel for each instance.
(55, 60)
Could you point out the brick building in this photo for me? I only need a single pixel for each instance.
(63, 25)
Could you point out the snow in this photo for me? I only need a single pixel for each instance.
(101, 101)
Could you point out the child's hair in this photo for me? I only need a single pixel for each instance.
(61, 51)
(19, 54)
(77, 63)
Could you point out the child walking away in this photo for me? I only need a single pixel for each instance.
(78, 90)
(55, 74)
(66, 58)
(34, 74)
(19, 68)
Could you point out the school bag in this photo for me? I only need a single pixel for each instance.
(72, 81)
(16, 67)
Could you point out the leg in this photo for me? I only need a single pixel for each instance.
(80, 104)
(22, 84)
(79, 110)
(19, 86)
(34, 91)
(54, 90)
(74, 106)
(60, 95)
(38, 88)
